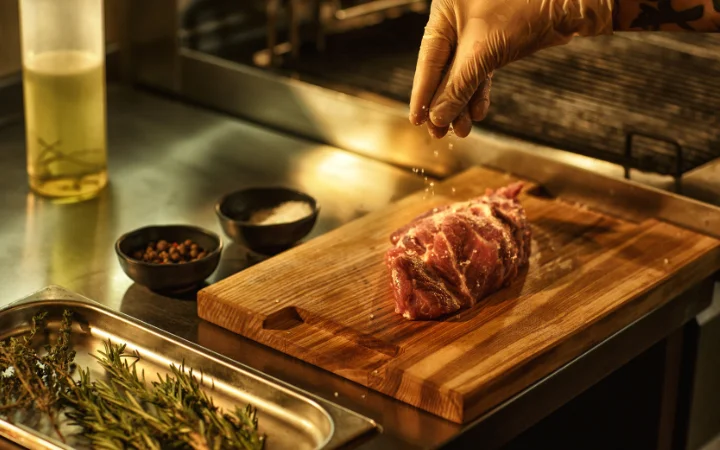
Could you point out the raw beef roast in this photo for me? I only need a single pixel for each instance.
(451, 257)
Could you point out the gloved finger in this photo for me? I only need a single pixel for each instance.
(480, 101)
(435, 50)
(462, 125)
(473, 61)
(436, 132)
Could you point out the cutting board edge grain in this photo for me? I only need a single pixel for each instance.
(345, 343)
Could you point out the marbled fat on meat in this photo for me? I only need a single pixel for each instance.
(450, 258)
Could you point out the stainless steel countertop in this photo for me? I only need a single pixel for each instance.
(170, 162)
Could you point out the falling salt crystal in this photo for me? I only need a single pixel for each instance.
(423, 107)
(415, 170)
(452, 190)
(277, 301)
(432, 183)
(435, 210)
(436, 153)
(375, 372)
(362, 396)
(372, 316)
(666, 261)
(450, 146)
(336, 394)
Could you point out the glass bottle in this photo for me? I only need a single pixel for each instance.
(63, 55)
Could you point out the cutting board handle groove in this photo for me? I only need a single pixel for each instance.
(292, 317)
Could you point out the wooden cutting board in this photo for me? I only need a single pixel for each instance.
(328, 301)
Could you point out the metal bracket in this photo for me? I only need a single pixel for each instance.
(678, 155)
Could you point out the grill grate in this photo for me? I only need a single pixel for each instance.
(585, 97)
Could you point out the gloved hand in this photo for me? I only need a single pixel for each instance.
(475, 37)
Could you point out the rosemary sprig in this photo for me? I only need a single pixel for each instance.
(173, 412)
(122, 411)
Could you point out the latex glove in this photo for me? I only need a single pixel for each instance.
(476, 37)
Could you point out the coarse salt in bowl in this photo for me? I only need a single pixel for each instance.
(285, 212)
(267, 219)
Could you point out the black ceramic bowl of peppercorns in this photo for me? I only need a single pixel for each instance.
(169, 258)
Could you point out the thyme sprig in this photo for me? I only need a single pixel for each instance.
(123, 410)
(34, 382)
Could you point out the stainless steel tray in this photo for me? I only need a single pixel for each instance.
(291, 418)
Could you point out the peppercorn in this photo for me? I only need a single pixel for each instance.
(166, 252)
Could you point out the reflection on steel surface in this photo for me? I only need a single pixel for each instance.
(325, 172)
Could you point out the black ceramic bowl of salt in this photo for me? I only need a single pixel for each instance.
(267, 220)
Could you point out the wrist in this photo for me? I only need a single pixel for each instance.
(581, 17)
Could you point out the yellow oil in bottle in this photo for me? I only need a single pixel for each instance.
(66, 125)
